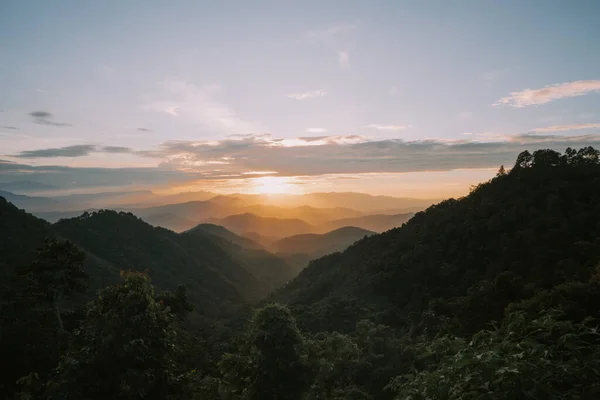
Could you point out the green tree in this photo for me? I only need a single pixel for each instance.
(501, 171)
(546, 357)
(335, 360)
(177, 302)
(124, 349)
(271, 364)
(56, 273)
(524, 160)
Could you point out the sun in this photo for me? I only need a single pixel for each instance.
(273, 185)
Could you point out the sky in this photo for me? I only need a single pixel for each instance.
(405, 98)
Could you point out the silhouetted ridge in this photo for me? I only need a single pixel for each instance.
(531, 229)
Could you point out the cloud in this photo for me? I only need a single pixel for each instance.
(393, 92)
(380, 127)
(199, 104)
(560, 128)
(316, 130)
(68, 151)
(12, 128)
(116, 149)
(549, 93)
(231, 157)
(144, 130)
(45, 118)
(172, 111)
(308, 95)
(80, 150)
(352, 153)
(343, 58)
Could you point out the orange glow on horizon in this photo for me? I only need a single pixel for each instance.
(273, 185)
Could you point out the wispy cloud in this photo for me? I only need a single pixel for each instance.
(172, 111)
(380, 127)
(79, 150)
(12, 128)
(230, 158)
(393, 91)
(316, 130)
(343, 58)
(308, 95)
(573, 127)
(45, 118)
(529, 97)
(199, 104)
(68, 151)
(144, 130)
(116, 149)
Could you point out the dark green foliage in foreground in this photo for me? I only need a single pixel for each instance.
(491, 296)
(271, 363)
(56, 273)
(32, 331)
(544, 358)
(124, 349)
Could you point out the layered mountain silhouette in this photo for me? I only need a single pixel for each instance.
(298, 250)
(460, 263)
(214, 270)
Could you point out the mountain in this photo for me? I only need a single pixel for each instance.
(54, 216)
(126, 241)
(26, 186)
(229, 236)
(326, 243)
(311, 215)
(20, 235)
(362, 202)
(170, 221)
(273, 227)
(298, 250)
(266, 267)
(214, 270)
(375, 222)
(460, 263)
(28, 202)
(217, 207)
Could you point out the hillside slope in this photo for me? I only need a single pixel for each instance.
(298, 250)
(226, 234)
(376, 222)
(209, 272)
(267, 268)
(21, 234)
(272, 227)
(321, 244)
(465, 260)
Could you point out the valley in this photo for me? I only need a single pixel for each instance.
(520, 251)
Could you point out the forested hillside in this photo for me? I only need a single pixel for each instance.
(491, 296)
(465, 260)
(298, 250)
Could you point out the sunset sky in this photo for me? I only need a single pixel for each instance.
(405, 98)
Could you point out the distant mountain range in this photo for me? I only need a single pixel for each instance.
(214, 270)
(321, 244)
(278, 228)
(354, 204)
(298, 250)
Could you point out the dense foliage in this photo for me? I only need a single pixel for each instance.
(491, 296)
